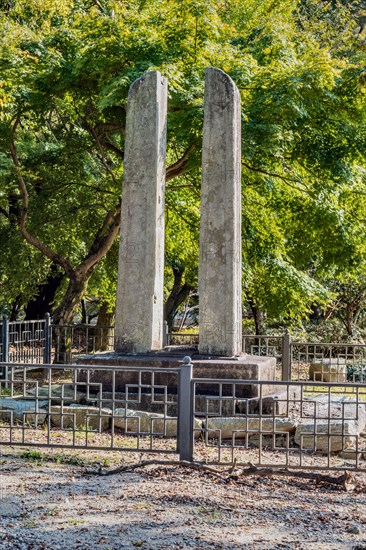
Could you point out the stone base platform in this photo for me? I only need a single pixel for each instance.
(244, 367)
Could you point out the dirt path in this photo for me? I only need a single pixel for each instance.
(55, 506)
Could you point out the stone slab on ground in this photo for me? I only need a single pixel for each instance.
(23, 410)
(69, 393)
(143, 402)
(273, 404)
(80, 416)
(322, 435)
(141, 421)
(323, 406)
(248, 426)
(278, 402)
(330, 422)
(353, 452)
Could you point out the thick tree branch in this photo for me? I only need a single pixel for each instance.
(109, 145)
(100, 155)
(174, 187)
(4, 212)
(179, 167)
(103, 240)
(288, 181)
(58, 259)
(231, 475)
(182, 217)
(178, 294)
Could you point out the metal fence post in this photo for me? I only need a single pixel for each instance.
(185, 412)
(286, 356)
(165, 334)
(47, 339)
(5, 342)
(5, 337)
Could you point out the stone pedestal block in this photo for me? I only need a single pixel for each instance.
(80, 417)
(245, 368)
(23, 411)
(322, 436)
(328, 370)
(241, 427)
(132, 422)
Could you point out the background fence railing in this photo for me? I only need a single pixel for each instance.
(181, 338)
(25, 341)
(41, 342)
(69, 341)
(347, 362)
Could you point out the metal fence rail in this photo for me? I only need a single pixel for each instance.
(181, 338)
(27, 340)
(263, 345)
(125, 409)
(343, 362)
(69, 341)
(41, 342)
(292, 425)
(24, 341)
(301, 425)
(270, 346)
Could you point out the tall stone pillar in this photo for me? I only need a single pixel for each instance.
(219, 275)
(139, 313)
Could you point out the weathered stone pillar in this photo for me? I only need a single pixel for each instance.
(219, 279)
(139, 314)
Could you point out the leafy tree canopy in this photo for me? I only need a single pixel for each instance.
(66, 67)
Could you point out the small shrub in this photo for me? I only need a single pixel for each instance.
(35, 456)
(356, 372)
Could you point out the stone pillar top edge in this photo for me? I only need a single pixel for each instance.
(226, 79)
(148, 76)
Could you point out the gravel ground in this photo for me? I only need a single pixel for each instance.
(46, 505)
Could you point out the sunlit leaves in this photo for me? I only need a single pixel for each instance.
(66, 67)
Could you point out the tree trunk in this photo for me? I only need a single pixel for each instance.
(15, 308)
(258, 317)
(348, 321)
(178, 294)
(104, 337)
(64, 315)
(42, 303)
(83, 312)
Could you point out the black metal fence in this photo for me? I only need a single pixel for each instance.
(69, 341)
(41, 342)
(291, 425)
(114, 408)
(317, 361)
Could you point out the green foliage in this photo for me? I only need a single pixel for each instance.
(356, 372)
(66, 68)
